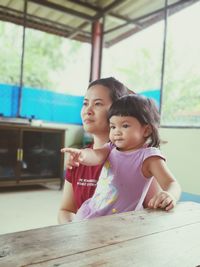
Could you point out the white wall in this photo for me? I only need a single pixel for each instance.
(74, 135)
(182, 153)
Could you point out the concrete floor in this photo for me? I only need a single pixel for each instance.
(28, 207)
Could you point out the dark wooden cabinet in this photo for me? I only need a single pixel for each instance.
(30, 155)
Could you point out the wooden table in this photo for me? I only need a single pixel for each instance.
(145, 238)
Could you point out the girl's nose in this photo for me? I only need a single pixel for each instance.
(117, 132)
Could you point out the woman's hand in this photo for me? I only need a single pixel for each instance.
(74, 157)
(163, 200)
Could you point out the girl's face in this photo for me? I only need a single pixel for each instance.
(127, 133)
(96, 104)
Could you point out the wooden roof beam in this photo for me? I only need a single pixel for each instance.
(158, 15)
(85, 4)
(136, 20)
(96, 17)
(62, 9)
(107, 9)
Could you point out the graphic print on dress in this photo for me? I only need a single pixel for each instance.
(105, 194)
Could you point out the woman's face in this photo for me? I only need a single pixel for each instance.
(96, 104)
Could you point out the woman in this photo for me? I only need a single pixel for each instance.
(81, 181)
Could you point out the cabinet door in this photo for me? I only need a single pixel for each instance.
(9, 143)
(41, 154)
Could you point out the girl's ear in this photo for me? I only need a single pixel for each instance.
(147, 131)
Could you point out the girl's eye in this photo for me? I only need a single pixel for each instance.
(85, 103)
(112, 127)
(125, 126)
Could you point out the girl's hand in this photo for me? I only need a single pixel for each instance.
(74, 157)
(162, 200)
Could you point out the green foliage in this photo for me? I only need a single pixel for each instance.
(44, 56)
(139, 76)
(10, 42)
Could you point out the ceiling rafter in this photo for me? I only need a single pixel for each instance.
(97, 9)
(83, 13)
(62, 9)
(13, 14)
(136, 20)
(90, 19)
(107, 9)
(52, 28)
(172, 9)
(85, 4)
(97, 16)
(72, 34)
(121, 17)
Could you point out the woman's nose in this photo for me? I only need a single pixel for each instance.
(89, 110)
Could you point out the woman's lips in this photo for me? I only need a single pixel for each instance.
(88, 121)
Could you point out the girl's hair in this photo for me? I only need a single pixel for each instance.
(115, 87)
(141, 108)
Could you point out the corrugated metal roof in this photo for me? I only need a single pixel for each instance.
(73, 19)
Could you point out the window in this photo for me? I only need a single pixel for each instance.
(137, 62)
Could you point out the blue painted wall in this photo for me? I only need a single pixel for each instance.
(41, 104)
(154, 94)
(8, 99)
(47, 105)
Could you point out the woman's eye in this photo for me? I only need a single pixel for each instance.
(84, 103)
(112, 127)
(98, 104)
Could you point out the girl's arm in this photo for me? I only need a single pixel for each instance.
(87, 156)
(167, 198)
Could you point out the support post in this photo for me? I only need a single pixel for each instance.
(96, 53)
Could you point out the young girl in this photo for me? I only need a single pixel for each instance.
(133, 161)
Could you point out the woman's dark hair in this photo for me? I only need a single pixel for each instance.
(115, 87)
(141, 108)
